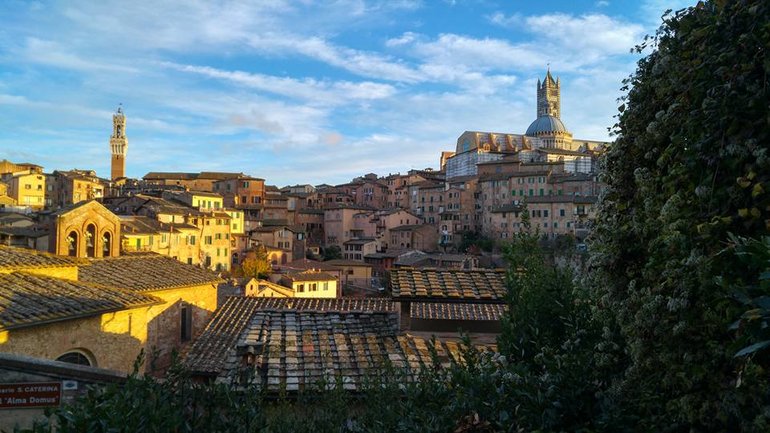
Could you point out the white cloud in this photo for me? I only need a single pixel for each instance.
(594, 34)
(404, 39)
(52, 53)
(309, 89)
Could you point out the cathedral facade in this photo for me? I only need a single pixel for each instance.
(546, 139)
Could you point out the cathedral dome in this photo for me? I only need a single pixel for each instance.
(545, 125)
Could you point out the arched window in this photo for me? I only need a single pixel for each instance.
(75, 358)
(106, 244)
(72, 244)
(91, 241)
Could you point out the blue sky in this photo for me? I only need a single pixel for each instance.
(300, 91)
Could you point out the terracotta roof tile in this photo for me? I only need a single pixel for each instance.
(28, 300)
(145, 272)
(23, 258)
(486, 285)
(229, 322)
(292, 349)
(455, 311)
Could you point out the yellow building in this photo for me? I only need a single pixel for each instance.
(189, 296)
(102, 312)
(201, 200)
(50, 314)
(311, 284)
(27, 188)
(101, 327)
(266, 289)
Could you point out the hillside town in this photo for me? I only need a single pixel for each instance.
(208, 264)
(530, 280)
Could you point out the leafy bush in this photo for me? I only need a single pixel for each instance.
(689, 166)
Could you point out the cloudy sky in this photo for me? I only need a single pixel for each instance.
(300, 91)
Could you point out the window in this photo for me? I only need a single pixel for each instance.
(106, 244)
(185, 323)
(91, 240)
(74, 358)
(192, 240)
(300, 288)
(542, 191)
(531, 192)
(207, 240)
(545, 213)
(561, 212)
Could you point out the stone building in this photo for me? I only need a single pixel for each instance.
(102, 311)
(64, 188)
(188, 295)
(50, 313)
(85, 229)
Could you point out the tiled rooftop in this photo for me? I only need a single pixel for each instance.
(482, 285)
(296, 348)
(456, 311)
(310, 275)
(229, 321)
(145, 272)
(22, 258)
(27, 299)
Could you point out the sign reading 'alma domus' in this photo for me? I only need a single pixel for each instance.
(34, 394)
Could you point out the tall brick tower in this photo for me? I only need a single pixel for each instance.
(118, 145)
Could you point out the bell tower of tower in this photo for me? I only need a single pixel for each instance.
(549, 96)
(118, 145)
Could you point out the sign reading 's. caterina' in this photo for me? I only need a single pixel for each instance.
(29, 394)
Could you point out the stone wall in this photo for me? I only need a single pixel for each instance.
(111, 340)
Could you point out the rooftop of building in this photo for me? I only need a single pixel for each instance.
(12, 258)
(309, 275)
(343, 262)
(477, 285)
(456, 311)
(30, 300)
(145, 272)
(295, 349)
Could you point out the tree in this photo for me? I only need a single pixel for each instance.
(689, 167)
(332, 252)
(256, 264)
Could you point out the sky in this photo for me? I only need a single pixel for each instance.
(301, 91)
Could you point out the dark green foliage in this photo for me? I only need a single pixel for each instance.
(689, 166)
(332, 253)
(474, 241)
(551, 343)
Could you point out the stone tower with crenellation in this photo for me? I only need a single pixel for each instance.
(549, 97)
(118, 145)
